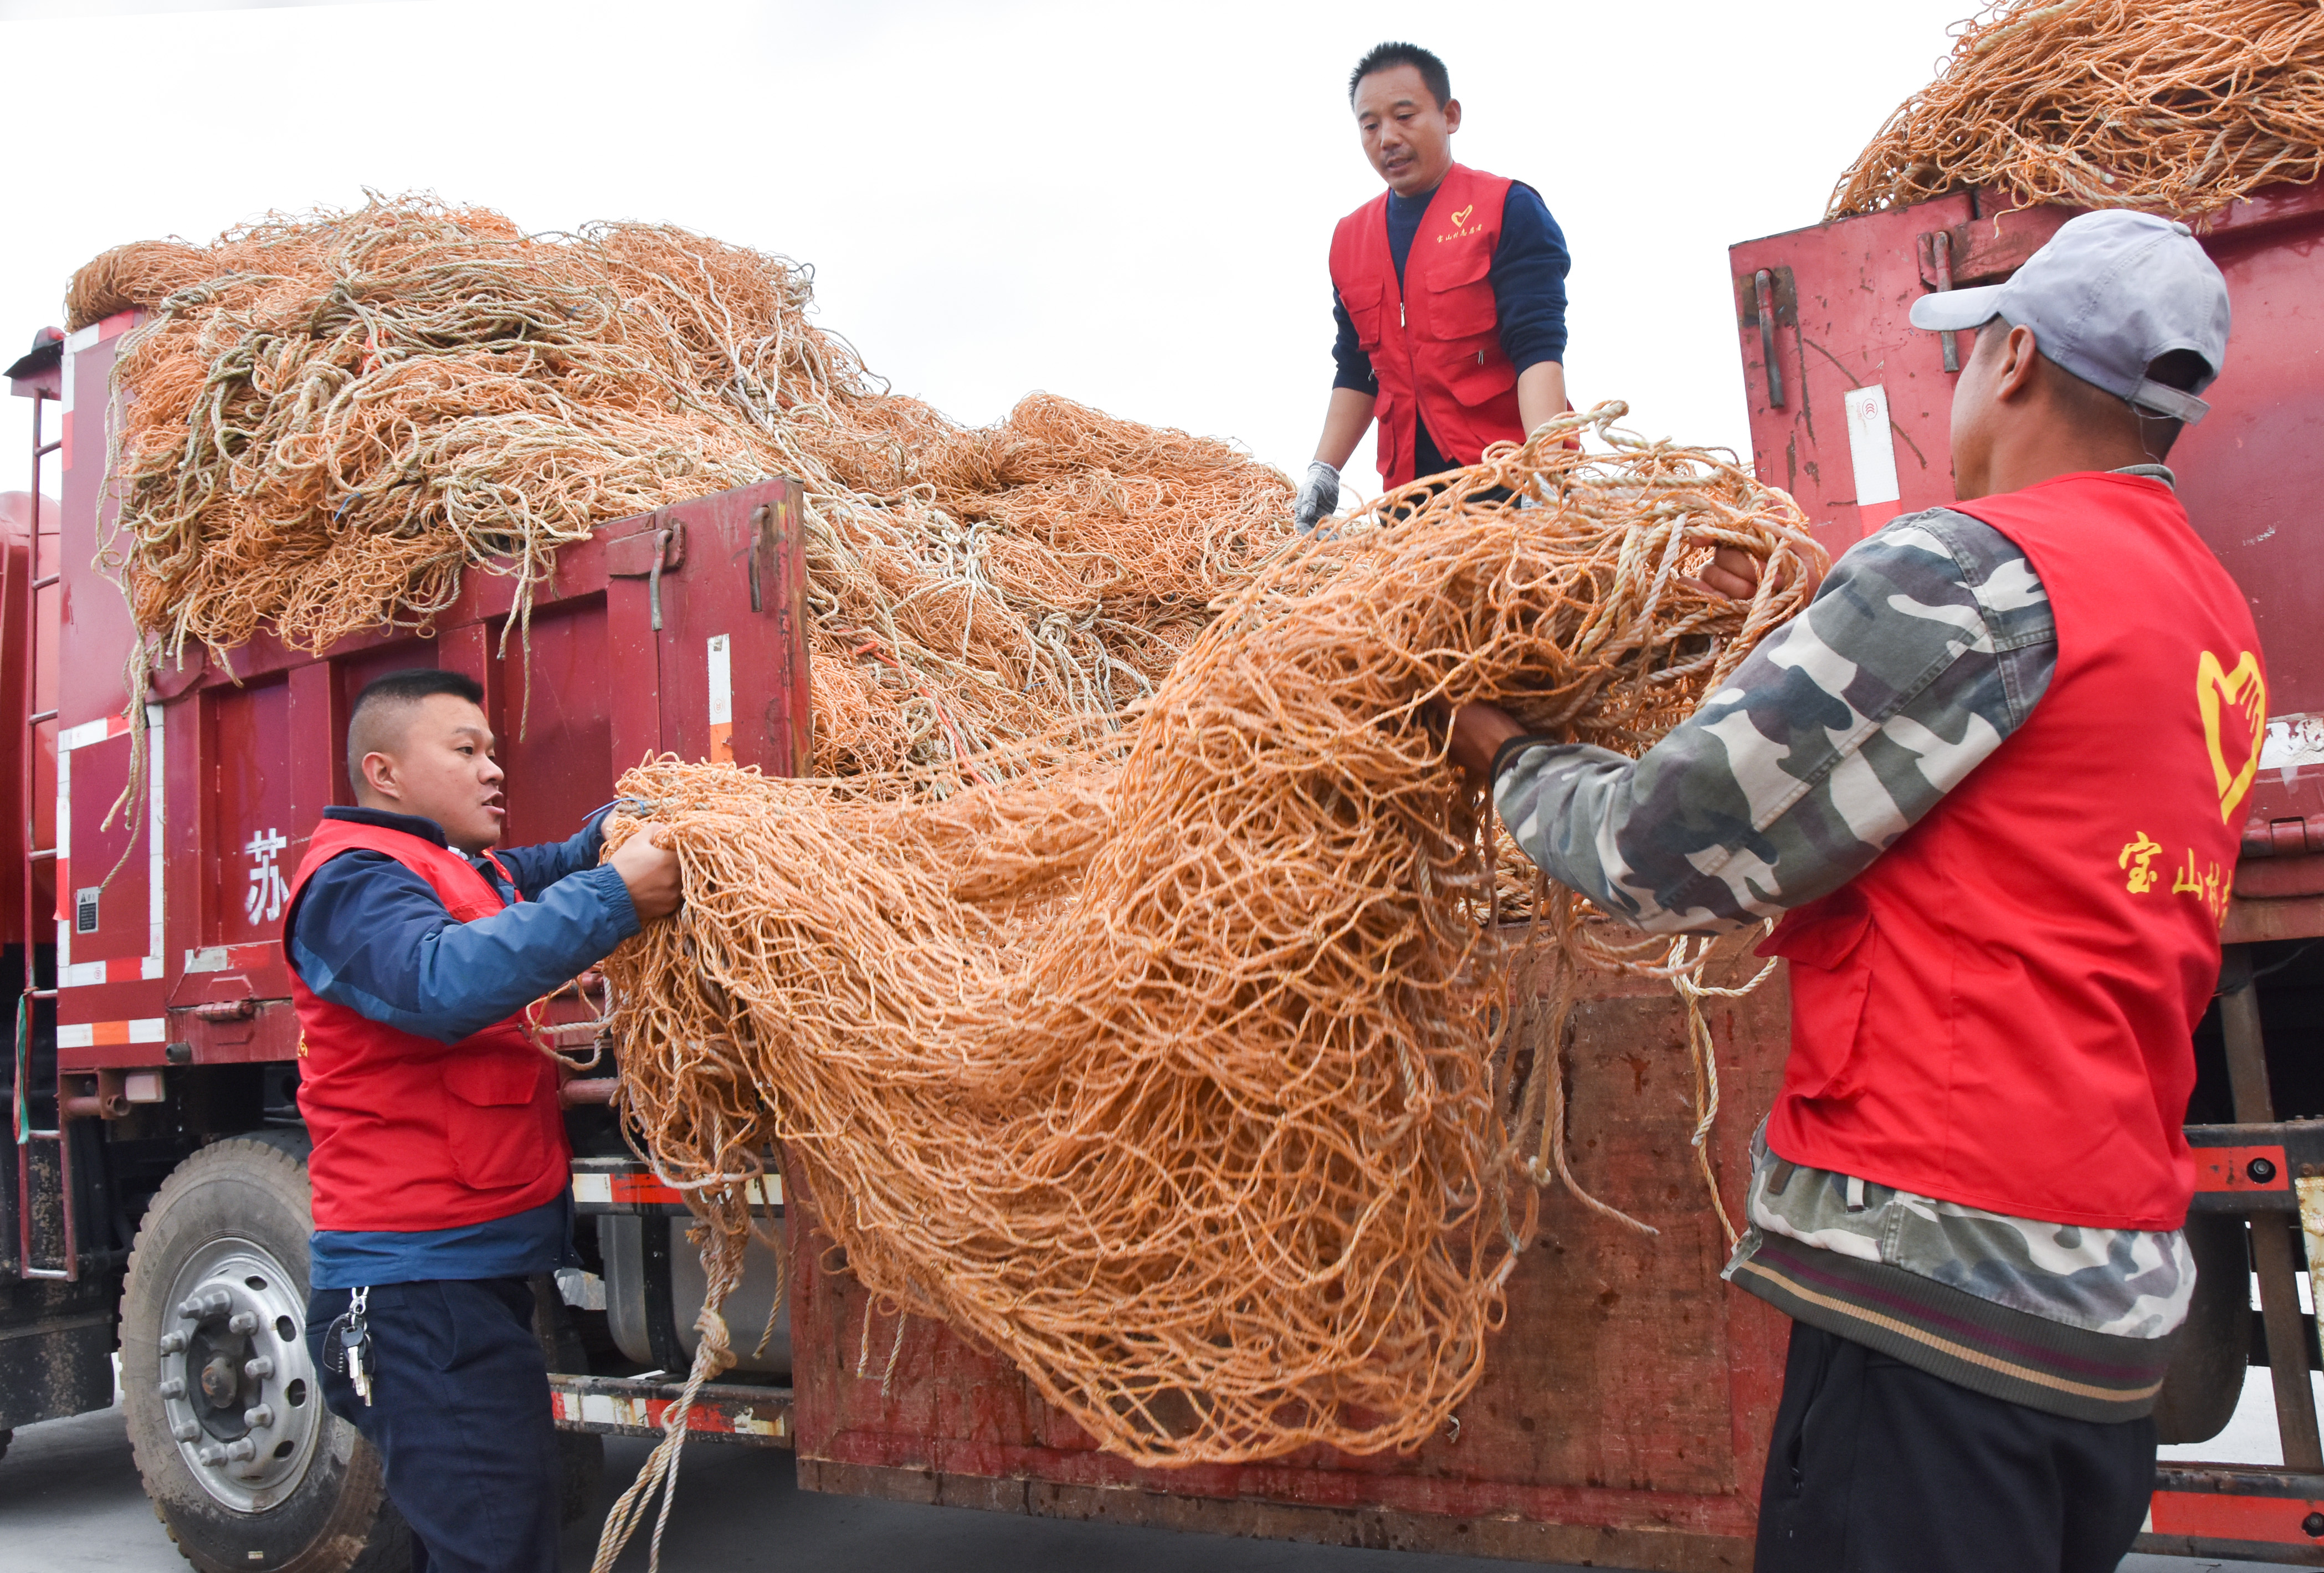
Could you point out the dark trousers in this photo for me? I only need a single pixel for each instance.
(1878, 1468)
(460, 1415)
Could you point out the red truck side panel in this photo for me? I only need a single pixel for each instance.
(2249, 473)
(170, 917)
(1622, 1419)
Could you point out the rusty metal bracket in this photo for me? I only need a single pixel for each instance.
(1937, 263)
(110, 1101)
(659, 545)
(648, 554)
(1768, 300)
(2286, 837)
(582, 1091)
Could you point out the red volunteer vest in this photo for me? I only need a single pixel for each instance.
(1435, 338)
(410, 1133)
(1998, 1011)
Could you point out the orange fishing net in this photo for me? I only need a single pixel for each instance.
(1129, 992)
(2171, 105)
(1178, 1068)
(338, 415)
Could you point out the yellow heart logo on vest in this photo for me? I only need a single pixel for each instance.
(2235, 721)
(1463, 217)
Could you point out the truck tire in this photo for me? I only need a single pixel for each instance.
(245, 1466)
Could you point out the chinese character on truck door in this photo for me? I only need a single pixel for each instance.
(267, 894)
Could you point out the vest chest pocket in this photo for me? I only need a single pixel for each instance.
(1460, 303)
(497, 1137)
(1363, 302)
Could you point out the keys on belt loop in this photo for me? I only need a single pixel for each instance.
(347, 1346)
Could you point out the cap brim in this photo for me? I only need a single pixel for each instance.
(1951, 310)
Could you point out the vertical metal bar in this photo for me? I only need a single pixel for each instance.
(65, 1188)
(20, 1110)
(653, 576)
(1762, 288)
(28, 1009)
(1940, 247)
(2270, 1232)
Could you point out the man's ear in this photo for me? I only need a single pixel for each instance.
(1451, 116)
(377, 774)
(2018, 353)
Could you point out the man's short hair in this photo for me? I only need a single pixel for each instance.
(1387, 57)
(398, 690)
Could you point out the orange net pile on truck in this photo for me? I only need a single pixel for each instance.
(1180, 1070)
(337, 415)
(2176, 107)
(1126, 990)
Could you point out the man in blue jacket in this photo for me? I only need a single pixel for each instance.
(440, 1171)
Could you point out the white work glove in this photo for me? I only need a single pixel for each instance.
(1319, 496)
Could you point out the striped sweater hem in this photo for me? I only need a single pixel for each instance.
(1949, 1333)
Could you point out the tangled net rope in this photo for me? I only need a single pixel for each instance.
(2174, 106)
(337, 416)
(1178, 1068)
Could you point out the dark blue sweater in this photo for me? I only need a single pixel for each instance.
(1528, 277)
(367, 933)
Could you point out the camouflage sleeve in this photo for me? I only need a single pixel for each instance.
(1929, 644)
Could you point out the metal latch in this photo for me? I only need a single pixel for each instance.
(2289, 838)
(1937, 264)
(1766, 299)
(646, 555)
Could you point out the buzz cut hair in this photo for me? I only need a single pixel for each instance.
(369, 722)
(1387, 57)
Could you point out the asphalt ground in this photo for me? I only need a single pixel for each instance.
(70, 1503)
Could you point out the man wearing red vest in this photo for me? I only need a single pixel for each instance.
(1449, 289)
(1992, 781)
(440, 1169)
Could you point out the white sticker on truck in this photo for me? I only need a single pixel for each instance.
(1872, 446)
(722, 700)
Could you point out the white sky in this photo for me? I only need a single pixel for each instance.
(1129, 205)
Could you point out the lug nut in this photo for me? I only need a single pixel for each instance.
(242, 1451)
(258, 1417)
(258, 1368)
(175, 1387)
(185, 1430)
(173, 1343)
(242, 1322)
(211, 1456)
(199, 1307)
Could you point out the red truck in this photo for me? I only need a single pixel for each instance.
(156, 1202)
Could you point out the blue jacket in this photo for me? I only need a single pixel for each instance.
(367, 933)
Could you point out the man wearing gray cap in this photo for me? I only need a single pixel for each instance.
(1990, 782)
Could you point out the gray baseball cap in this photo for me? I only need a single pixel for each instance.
(2110, 293)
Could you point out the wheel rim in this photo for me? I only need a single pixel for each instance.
(237, 1388)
